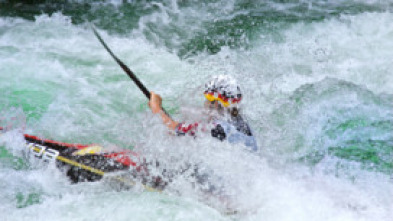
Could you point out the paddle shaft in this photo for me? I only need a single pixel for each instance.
(127, 70)
(123, 66)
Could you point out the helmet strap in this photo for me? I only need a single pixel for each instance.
(234, 111)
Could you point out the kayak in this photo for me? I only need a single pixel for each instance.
(82, 163)
(89, 163)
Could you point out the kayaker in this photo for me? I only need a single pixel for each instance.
(223, 96)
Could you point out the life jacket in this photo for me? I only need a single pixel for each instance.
(235, 130)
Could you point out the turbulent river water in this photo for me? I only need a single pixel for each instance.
(318, 92)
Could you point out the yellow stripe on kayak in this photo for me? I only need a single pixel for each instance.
(97, 171)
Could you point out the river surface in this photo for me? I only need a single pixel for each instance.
(317, 85)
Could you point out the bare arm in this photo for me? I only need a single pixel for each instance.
(155, 106)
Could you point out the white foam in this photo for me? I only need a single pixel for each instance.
(93, 101)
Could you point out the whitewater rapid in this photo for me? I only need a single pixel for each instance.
(318, 96)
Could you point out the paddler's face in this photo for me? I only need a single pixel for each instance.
(213, 105)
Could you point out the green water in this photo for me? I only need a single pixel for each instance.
(316, 79)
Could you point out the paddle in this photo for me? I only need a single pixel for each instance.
(125, 68)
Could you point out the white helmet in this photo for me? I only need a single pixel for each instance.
(223, 88)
